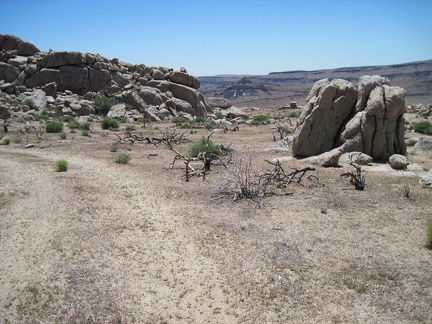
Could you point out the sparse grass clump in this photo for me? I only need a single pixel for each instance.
(429, 234)
(424, 127)
(5, 141)
(110, 123)
(54, 127)
(61, 166)
(205, 145)
(63, 136)
(123, 159)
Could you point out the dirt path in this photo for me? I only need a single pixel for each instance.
(98, 244)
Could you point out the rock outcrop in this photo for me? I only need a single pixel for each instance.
(24, 68)
(367, 118)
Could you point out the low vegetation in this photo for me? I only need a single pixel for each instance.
(424, 127)
(110, 123)
(123, 159)
(205, 145)
(54, 127)
(429, 234)
(104, 104)
(61, 166)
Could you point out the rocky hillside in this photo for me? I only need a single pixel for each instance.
(69, 82)
(283, 87)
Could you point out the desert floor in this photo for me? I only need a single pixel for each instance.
(136, 243)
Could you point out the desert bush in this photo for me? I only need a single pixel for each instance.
(54, 127)
(73, 124)
(42, 116)
(61, 166)
(84, 126)
(123, 159)
(67, 118)
(29, 102)
(17, 139)
(204, 145)
(219, 115)
(113, 148)
(5, 141)
(121, 119)
(104, 104)
(429, 234)
(63, 136)
(85, 133)
(424, 127)
(110, 123)
(262, 118)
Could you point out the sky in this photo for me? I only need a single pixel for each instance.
(229, 37)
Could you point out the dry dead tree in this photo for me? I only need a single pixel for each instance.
(356, 179)
(169, 135)
(206, 158)
(245, 183)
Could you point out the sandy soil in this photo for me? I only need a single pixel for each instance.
(135, 243)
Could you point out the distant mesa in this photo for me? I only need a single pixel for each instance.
(246, 87)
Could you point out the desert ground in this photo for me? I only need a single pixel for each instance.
(136, 243)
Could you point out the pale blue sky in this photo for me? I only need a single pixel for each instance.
(229, 37)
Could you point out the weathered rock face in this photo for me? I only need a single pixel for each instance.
(24, 67)
(367, 119)
(215, 102)
(423, 147)
(12, 43)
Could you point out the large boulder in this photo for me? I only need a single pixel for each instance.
(13, 43)
(368, 119)
(423, 147)
(190, 95)
(8, 72)
(215, 102)
(398, 162)
(328, 106)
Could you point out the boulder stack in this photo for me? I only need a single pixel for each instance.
(367, 118)
(24, 68)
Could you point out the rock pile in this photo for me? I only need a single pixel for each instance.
(71, 80)
(340, 117)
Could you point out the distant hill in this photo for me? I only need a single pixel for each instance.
(278, 88)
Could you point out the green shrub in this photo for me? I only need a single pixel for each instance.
(85, 133)
(84, 127)
(113, 148)
(262, 118)
(179, 120)
(29, 102)
(110, 123)
(73, 124)
(104, 104)
(42, 116)
(429, 234)
(68, 119)
(54, 127)
(204, 145)
(123, 159)
(161, 116)
(17, 139)
(61, 166)
(219, 115)
(121, 119)
(63, 136)
(424, 127)
(5, 141)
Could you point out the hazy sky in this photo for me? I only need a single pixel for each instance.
(229, 37)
